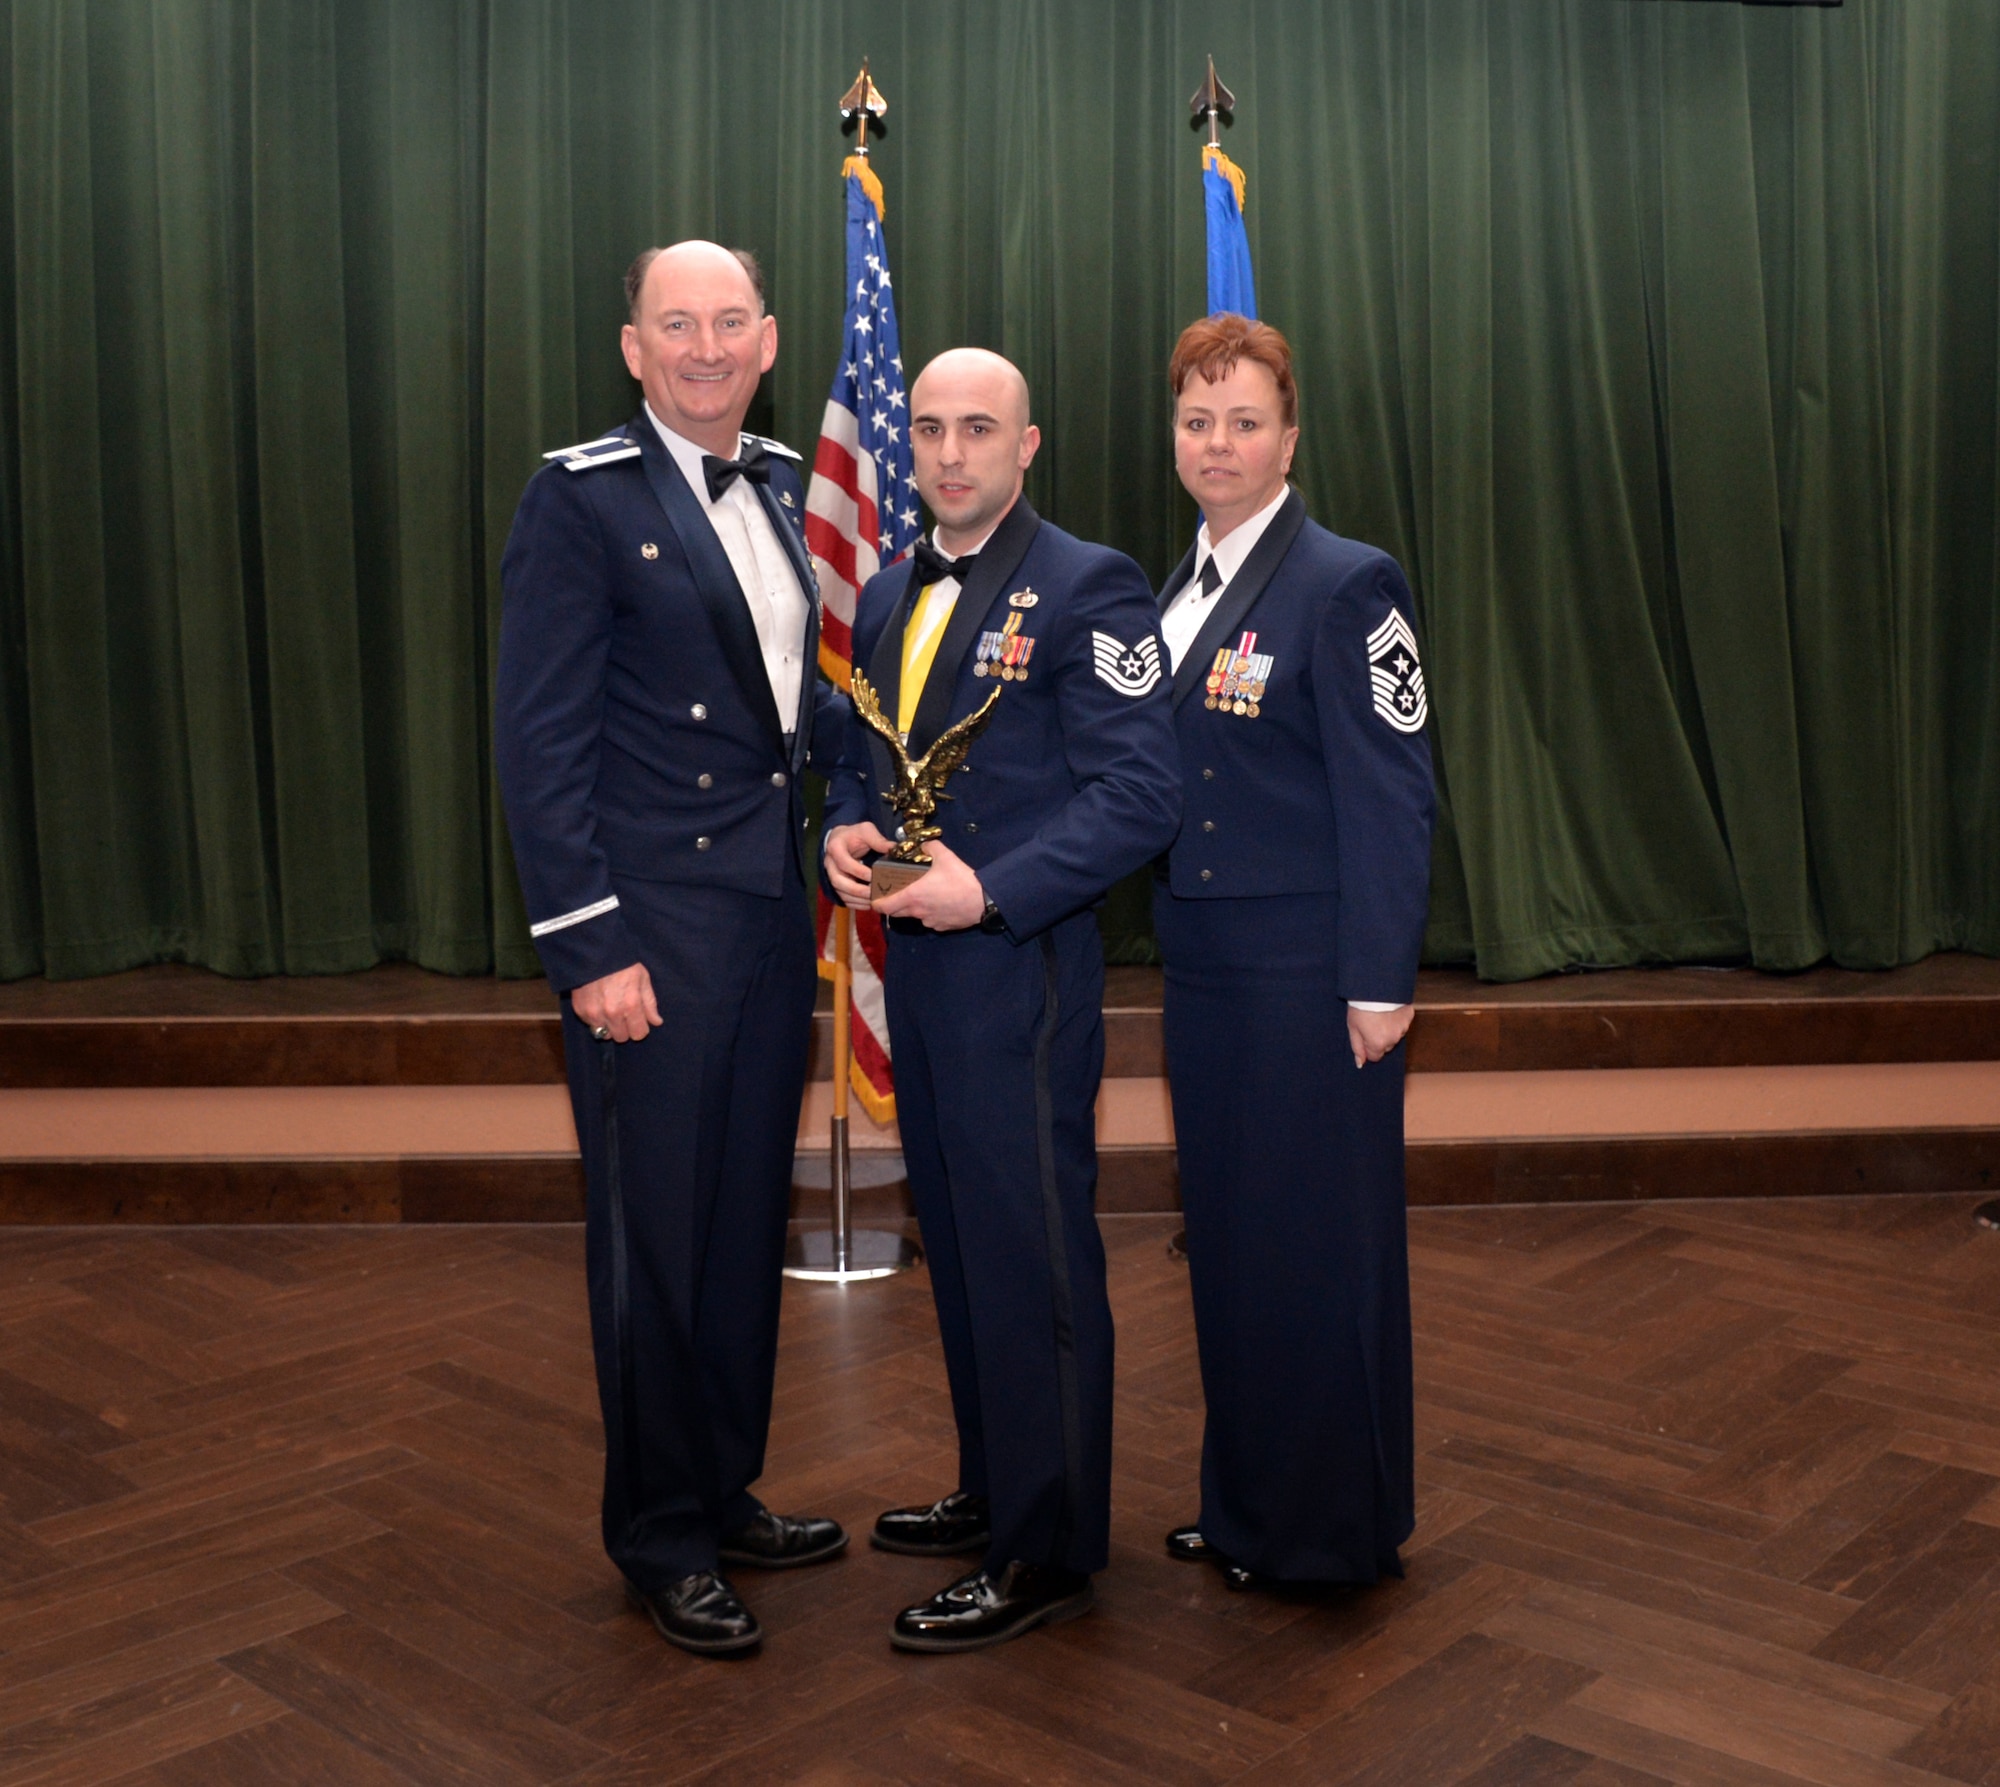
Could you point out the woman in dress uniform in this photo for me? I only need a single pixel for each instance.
(1290, 913)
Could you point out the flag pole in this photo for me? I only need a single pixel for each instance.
(840, 1161)
(865, 106)
(1212, 106)
(846, 1255)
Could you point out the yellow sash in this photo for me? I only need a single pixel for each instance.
(922, 635)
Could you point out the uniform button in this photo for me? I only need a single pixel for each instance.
(1206, 874)
(701, 713)
(1208, 825)
(1208, 775)
(703, 843)
(704, 781)
(777, 778)
(971, 828)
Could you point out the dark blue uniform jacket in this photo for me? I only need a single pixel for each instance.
(1075, 781)
(634, 727)
(1327, 787)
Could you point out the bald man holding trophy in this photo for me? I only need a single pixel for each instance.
(1022, 666)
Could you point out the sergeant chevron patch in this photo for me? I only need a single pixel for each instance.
(1130, 669)
(1395, 676)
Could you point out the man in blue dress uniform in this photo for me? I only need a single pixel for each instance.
(654, 710)
(995, 981)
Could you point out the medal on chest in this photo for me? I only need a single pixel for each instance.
(1238, 678)
(1004, 652)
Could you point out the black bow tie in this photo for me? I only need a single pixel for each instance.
(721, 473)
(934, 567)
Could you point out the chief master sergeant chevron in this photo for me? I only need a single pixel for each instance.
(655, 707)
(995, 999)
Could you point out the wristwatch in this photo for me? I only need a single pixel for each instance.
(990, 920)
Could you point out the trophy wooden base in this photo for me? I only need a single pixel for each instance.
(890, 877)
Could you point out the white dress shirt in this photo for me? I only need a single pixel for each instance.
(771, 590)
(1188, 612)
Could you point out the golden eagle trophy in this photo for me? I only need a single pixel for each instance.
(919, 785)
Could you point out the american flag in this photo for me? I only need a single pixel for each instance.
(862, 514)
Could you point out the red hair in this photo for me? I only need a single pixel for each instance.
(1211, 348)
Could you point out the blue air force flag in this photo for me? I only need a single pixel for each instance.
(1229, 283)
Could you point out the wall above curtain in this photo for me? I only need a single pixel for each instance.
(1660, 342)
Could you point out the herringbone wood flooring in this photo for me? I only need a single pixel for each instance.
(1710, 1493)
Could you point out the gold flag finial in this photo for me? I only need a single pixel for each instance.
(1214, 105)
(862, 105)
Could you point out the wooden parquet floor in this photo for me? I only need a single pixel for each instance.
(1710, 1494)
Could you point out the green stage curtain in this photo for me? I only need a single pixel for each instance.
(1659, 341)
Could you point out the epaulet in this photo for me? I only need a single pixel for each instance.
(771, 446)
(602, 451)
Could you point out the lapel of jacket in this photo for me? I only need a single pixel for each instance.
(1244, 589)
(791, 535)
(714, 581)
(1178, 581)
(999, 559)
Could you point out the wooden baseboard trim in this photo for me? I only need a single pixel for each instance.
(401, 1026)
(1131, 1181)
(1627, 1169)
(485, 1188)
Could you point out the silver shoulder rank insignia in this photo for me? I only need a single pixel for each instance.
(590, 454)
(1023, 598)
(1395, 678)
(770, 446)
(1132, 670)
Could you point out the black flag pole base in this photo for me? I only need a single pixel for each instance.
(1988, 1214)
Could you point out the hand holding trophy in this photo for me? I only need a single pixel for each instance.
(919, 785)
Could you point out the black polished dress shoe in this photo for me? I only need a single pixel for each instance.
(700, 1613)
(959, 1523)
(1187, 1544)
(983, 1609)
(783, 1541)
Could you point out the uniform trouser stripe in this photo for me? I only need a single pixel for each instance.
(1061, 1300)
(621, 1278)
